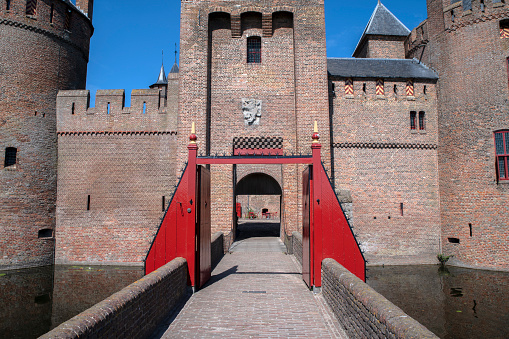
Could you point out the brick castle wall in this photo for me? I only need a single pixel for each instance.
(383, 163)
(217, 31)
(113, 171)
(38, 57)
(471, 59)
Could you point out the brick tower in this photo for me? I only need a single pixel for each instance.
(467, 42)
(44, 47)
(254, 72)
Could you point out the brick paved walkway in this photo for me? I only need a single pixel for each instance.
(256, 291)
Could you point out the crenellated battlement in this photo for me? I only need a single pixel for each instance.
(147, 112)
(463, 13)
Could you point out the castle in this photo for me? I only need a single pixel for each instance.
(414, 128)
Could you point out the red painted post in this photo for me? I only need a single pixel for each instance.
(316, 225)
(190, 227)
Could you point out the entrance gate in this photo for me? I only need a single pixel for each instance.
(185, 229)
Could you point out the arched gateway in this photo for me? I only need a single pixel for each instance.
(186, 229)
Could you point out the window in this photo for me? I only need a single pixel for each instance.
(422, 121)
(413, 116)
(254, 50)
(108, 108)
(51, 13)
(380, 87)
(349, 86)
(10, 156)
(8, 5)
(483, 6)
(45, 233)
(144, 107)
(31, 8)
(72, 108)
(410, 88)
(67, 23)
(504, 29)
(502, 153)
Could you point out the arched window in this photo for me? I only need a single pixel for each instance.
(254, 50)
(10, 156)
(31, 8)
(502, 154)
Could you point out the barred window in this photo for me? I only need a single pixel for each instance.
(10, 156)
(502, 154)
(254, 50)
(31, 8)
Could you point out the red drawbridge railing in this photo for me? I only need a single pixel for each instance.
(326, 231)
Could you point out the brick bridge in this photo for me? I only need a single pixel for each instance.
(256, 291)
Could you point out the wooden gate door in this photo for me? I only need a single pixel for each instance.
(203, 227)
(306, 226)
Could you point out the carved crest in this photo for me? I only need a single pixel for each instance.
(252, 111)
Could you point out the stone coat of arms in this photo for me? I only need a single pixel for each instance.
(252, 111)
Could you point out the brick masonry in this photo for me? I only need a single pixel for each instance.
(407, 191)
(28, 45)
(135, 311)
(363, 312)
(471, 59)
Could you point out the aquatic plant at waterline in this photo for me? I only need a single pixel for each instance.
(443, 258)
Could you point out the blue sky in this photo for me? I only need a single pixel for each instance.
(126, 47)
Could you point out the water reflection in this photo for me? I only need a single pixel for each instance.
(452, 302)
(34, 301)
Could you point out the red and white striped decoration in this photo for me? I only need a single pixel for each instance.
(410, 88)
(349, 86)
(504, 33)
(31, 8)
(380, 87)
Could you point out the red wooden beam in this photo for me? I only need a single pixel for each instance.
(254, 161)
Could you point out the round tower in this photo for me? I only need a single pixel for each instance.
(44, 48)
(467, 42)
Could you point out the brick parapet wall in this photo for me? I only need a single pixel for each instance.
(297, 246)
(135, 311)
(75, 115)
(362, 311)
(217, 248)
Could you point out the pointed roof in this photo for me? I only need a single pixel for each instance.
(383, 22)
(175, 68)
(162, 80)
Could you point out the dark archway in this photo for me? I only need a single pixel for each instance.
(258, 184)
(258, 198)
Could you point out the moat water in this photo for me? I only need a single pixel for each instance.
(34, 301)
(452, 302)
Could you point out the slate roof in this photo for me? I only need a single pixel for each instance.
(161, 80)
(379, 68)
(383, 22)
(175, 68)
